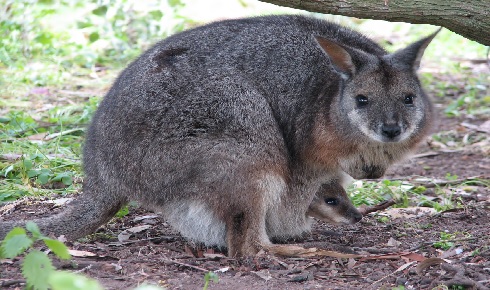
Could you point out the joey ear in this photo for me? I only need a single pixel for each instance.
(412, 54)
(340, 59)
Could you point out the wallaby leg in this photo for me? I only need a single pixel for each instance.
(246, 234)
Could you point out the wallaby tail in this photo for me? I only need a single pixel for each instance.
(81, 217)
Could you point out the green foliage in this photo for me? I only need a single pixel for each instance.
(124, 211)
(445, 242)
(62, 280)
(406, 194)
(37, 267)
(210, 276)
(371, 193)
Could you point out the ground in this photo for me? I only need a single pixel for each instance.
(413, 247)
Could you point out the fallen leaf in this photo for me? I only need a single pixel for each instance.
(213, 256)
(145, 217)
(37, 137)
(415, 257)
(297, 251)
(264, 274)
(485, 127)
(81, 254)
(10, 156)
(351, 263)
(451, 253)
(59, 201)
(393, 243)
(427, 263)
(409, 212)
(126, 234)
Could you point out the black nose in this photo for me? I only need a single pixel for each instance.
(391, 130)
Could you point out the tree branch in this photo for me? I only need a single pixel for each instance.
(470, 18)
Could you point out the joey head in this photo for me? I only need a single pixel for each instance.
(331, 204)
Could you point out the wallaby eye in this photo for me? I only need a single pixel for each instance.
(331, 201)
(409, 99)
(362, 101)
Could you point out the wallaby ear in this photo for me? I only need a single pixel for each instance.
(340, 59)
(412, 54)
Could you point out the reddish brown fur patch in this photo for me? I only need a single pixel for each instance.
(326, 147)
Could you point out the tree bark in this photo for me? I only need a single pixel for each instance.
(469, 18)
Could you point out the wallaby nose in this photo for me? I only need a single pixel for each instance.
(391, 130)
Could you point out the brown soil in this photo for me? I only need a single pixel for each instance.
(391, 252)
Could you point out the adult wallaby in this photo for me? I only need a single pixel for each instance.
(230, 129)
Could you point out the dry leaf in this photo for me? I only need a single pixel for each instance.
(427, 263)
(124, 235)
(37, 137)
(213, 256)
(451, 253)
(59, 201)
(415, 257)
(77, 253)
(485, 127)
(409, 212)
(264, 274)
(145, 217)
(222, 270)
(393, 243)
(297, 251)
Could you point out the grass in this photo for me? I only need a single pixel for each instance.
(58, 57)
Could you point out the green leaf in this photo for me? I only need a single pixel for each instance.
(123, 212)
(61, 280)
(33, 228)
(27, 164)
(37, 268)
(58, 248)
(43, 178)
(32, 173)
(67, 180)
(15, 243)
(156, 14)
(10, 168)
(94, 36)
(100, 11)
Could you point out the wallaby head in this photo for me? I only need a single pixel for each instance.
(332, 205)
(381, 109)
(382, 97)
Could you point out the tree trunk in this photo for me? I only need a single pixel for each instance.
(469, 18)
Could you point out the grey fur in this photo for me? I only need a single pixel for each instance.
(230, 129)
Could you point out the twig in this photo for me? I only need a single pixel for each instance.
(185, 265)
(79, 94)
(12, 282)
(84, 269)
(142, 240)
(59, 134)
(432, 184)
(369, 209)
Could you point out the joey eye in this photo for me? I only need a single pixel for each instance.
(409, 99)
(361, 101)
(331, 201)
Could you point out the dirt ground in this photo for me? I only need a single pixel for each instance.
(400, 251)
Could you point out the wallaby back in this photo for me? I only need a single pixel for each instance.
(230, 129)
